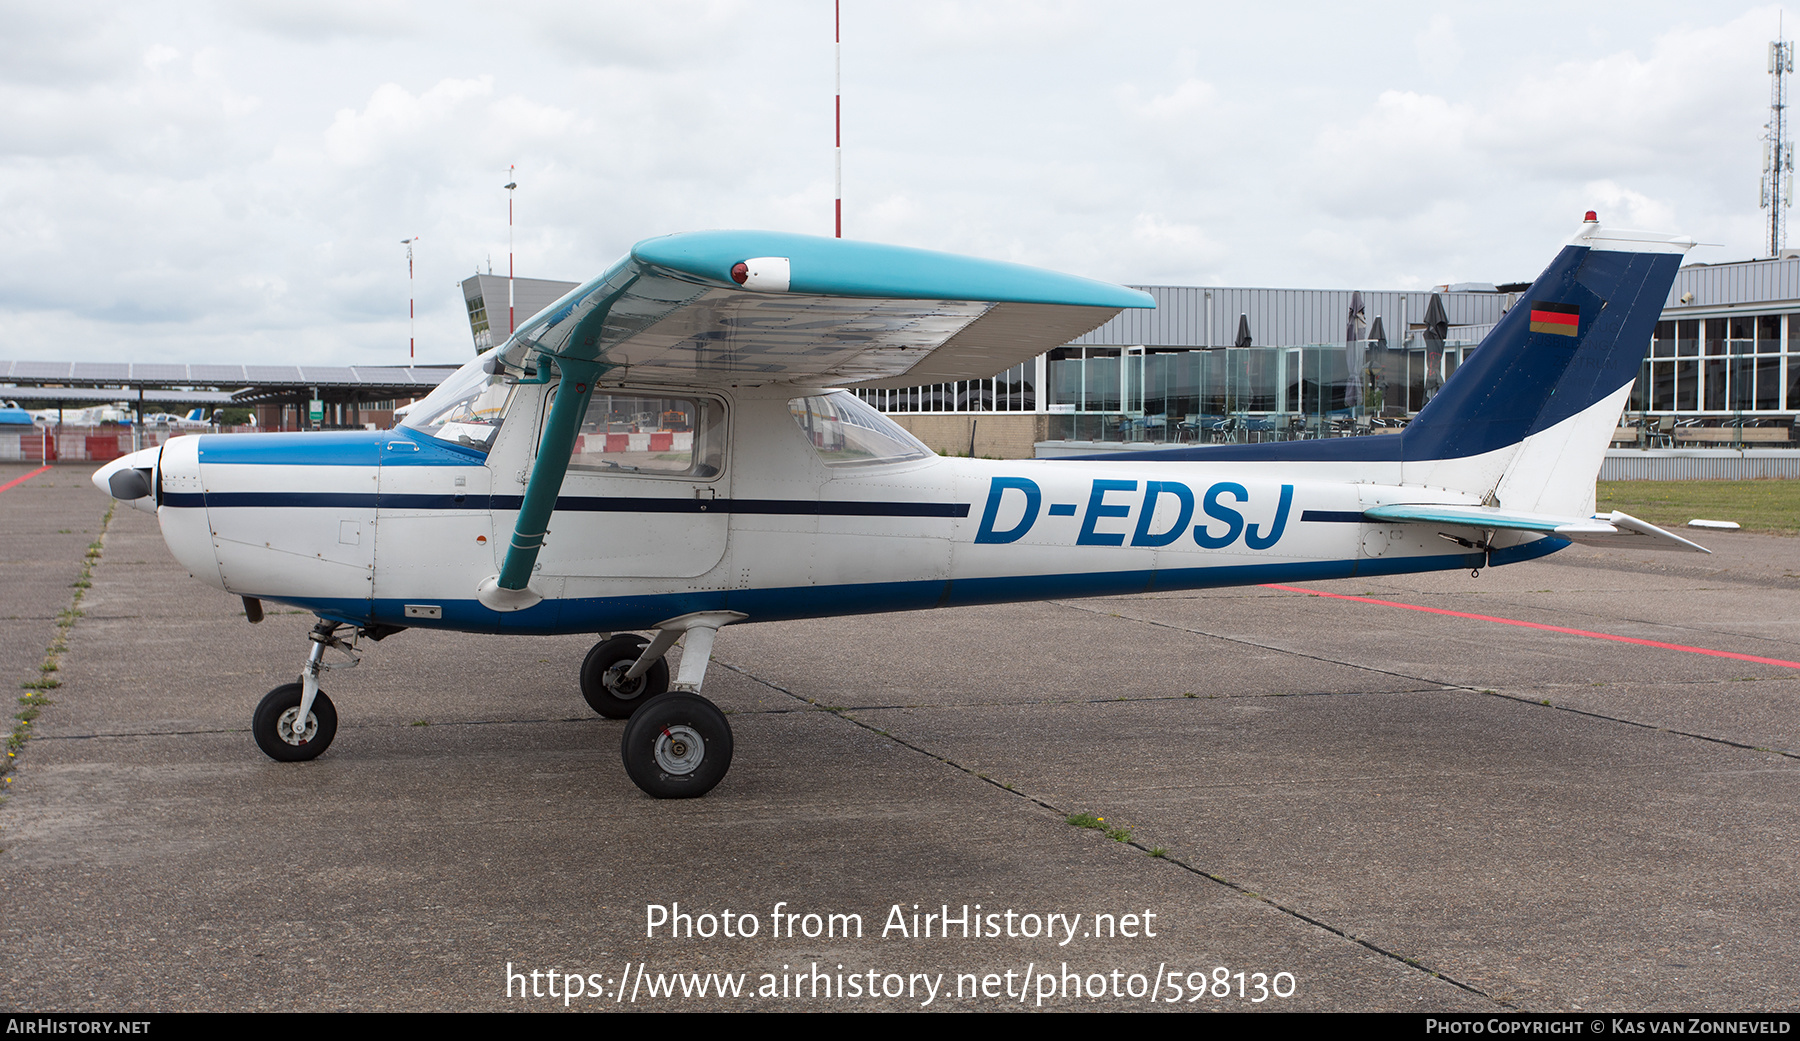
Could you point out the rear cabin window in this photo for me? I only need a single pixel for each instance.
(847, 432)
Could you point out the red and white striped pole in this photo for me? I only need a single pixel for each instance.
(837, 57)
(511, 183)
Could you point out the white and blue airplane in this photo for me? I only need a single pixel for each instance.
(665, 449)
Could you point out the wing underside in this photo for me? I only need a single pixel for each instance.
(844, 313)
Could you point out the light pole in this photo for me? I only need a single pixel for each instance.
(411, 321)
(511, 183)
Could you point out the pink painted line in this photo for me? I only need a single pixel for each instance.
(1547, 628)
(22, 480)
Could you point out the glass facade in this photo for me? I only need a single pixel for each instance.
(1734, 367)
(1014, 390)
(1704, 380)
(1205, 395)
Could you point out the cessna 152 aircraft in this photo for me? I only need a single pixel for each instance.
(663, 450)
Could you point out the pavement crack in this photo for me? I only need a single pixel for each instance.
(1063, 813)
(1783, 752)
(1264, 646)
(1443, 685)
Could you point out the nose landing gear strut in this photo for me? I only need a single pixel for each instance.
(296, 721)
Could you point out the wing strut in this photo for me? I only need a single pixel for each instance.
(510, 589)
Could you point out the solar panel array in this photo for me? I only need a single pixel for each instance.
(92, 373)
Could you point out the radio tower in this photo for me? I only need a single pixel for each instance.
(1778, 149)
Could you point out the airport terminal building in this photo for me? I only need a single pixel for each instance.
(1207, 365)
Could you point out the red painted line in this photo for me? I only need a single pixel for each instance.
(1546, 628)
(22, 480)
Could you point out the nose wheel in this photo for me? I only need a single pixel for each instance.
(296, 721)
(283, 735)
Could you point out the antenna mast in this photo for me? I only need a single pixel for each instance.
(1778, 149)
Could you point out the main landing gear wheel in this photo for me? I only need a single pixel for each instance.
(677, 746)
(279, 732)
(603, 681)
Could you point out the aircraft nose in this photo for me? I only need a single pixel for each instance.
(131, 479)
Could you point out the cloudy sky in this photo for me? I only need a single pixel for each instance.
(231, 181)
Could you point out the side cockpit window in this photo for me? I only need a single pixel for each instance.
(847, 432)
(631, 432)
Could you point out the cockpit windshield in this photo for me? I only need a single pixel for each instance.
(465, 409)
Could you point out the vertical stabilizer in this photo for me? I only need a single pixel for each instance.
(1527, 418)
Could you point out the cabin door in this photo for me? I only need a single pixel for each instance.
(647, 490)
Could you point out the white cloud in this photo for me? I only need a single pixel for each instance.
(232, 181)
(158, 55)
(394, 120)
(1168, 249)
(1439, 52)
(1191, 99)
(1623, 207)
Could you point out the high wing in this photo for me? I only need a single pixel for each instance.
(1615, 529)
(714, 308)
(806, 309)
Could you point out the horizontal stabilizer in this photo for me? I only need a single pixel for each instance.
(1616, 529)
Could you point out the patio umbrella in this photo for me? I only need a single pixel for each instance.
(1355, 331)
(1243, 340)
(1378, 362)
(1437, 326)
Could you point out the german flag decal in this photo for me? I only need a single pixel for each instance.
(1561, 319)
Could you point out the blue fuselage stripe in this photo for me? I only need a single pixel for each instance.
(568, 504)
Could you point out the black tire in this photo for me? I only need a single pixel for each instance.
(274, 734)
(602, 677)
(677, 746)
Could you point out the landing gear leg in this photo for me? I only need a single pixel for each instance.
(296, 721)
(678, 745)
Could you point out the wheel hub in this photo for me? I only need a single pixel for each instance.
(286, 730)
(622, 688)
(679, 750)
